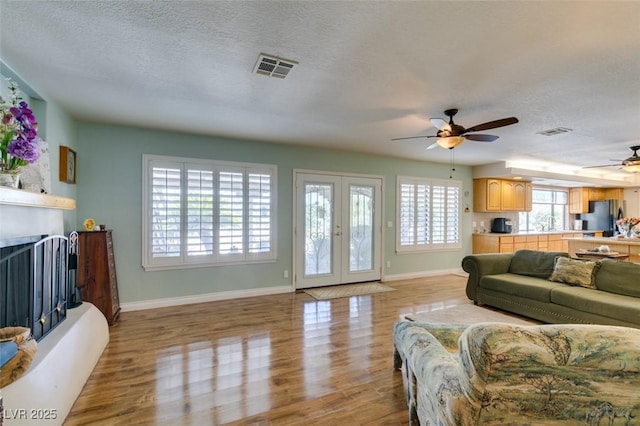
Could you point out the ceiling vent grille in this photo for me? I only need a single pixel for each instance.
(556, 131)
(273, 66)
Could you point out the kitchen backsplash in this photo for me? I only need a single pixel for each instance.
(486, 218)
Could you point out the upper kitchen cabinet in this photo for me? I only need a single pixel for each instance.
(501, 195)
(579, 197)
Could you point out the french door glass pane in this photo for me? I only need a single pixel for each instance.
(361, 226)
(318, 200)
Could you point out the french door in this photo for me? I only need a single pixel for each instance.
(337, 229)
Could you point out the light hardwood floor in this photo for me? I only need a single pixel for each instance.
(273, 360)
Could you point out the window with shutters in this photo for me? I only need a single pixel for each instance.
(428, 214)
(203, 212)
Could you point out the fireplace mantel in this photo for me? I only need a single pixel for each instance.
(19, 197)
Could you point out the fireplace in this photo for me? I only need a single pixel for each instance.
(34, 275)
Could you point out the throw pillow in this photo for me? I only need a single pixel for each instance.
(575, 272)
(534, 263)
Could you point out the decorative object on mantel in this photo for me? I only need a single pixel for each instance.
(629, 226)
(89, 224)
(19, 141)
(67, 165)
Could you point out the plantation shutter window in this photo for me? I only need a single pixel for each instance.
(202, 212)
(429, 212)
(165, 212)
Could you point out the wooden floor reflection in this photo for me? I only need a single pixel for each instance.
(271, 360)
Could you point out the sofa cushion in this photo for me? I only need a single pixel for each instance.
(520, 285)
(619, 277)
(534, 263)
(597, 302)
(575, 272)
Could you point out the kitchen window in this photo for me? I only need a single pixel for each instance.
(548, 212)
(204, 213)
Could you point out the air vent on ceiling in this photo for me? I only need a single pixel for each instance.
(273, 66)
(556, 131)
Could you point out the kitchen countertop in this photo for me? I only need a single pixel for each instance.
(497, 234)
(609, 240)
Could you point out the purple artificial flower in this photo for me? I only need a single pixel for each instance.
(25, 149)
(23, 114)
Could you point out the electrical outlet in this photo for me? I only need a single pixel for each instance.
(285, 274)
(388, 264)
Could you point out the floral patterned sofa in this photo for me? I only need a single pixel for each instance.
(507, 374)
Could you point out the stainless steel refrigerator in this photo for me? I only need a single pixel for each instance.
(602, 216)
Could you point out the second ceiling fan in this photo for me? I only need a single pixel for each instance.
(450, 134)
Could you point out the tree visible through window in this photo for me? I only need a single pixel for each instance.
(200, 212)
(548, 213)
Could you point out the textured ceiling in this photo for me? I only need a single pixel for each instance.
(367, 72)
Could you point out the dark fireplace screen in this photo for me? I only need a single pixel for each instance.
(33, 283)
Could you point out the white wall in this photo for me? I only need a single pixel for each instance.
(632, 202)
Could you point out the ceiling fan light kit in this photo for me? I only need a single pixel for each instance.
(630, 165)
(450, 142)
(450, 134)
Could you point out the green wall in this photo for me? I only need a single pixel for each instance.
(57, 128)
(109, 189)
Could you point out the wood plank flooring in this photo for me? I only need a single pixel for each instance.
(272, 360)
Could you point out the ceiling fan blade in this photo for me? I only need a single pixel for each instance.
(440, 124)
(481, 138)
(602, 165)
(412, 137)
(433, 145)
(492, 124)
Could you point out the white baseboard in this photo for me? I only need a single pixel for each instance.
(202, 298)
(423, 274)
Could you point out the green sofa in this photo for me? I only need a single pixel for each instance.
(519, 283)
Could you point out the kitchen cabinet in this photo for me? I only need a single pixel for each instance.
(97, 272)
(496, 195)
(634, 253)
(578, 200)
(509, 243)
(579, 197)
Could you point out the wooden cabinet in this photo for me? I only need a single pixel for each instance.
(97, 272)
(508, 243)
(579, 197)
(496, 195)
(614, 194)
(493, 198)
(634, 253)
(578, 200)
(528, 196)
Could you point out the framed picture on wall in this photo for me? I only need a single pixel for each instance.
(67, 165)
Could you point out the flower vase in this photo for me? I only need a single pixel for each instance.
(10, 178)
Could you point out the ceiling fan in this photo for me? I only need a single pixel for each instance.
(631, 164)
(450, 134)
